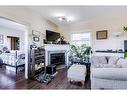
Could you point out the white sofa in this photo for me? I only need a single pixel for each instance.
(108, 73)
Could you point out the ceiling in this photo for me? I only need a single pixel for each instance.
(4, 22)
(78, 13)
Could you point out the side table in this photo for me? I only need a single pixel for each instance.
(51, 69)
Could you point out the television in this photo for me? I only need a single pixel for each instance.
(51, 35)
(125, 45)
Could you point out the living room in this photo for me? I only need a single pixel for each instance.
(101, 28)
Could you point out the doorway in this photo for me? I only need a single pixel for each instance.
(13, 51)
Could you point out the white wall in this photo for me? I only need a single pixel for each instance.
(110, 23)
(25, 16)
(14, 33)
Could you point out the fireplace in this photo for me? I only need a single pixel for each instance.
(57, 58)
(51, 49)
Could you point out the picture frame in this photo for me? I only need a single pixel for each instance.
(35, 33)
(36, 39)
(1, 39)
(103, 34)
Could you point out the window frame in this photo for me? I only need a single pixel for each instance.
(72, 41)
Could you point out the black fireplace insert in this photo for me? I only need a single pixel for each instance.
(57, 58)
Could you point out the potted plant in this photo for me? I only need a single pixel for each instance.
(80, 52)
(125, 29)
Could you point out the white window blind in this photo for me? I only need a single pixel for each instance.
(80, 38)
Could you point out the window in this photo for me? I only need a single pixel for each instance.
(80, 38)
(13, 43)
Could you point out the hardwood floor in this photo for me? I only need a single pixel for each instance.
(9, 80)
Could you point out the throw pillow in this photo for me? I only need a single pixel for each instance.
(96, 60)
(102, 60)
(122, 63)
(113, 60)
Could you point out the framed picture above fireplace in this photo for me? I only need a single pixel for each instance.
(101, 34)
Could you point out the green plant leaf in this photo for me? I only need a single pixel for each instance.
(81, 52)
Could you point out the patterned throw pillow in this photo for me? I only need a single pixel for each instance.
(113, 60)
(102, 60)
(97, 60)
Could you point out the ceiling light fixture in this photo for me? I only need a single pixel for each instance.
(63, 19)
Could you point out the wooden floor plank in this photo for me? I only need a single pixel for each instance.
(9, 80)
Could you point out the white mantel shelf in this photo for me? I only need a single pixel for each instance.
(58, 48)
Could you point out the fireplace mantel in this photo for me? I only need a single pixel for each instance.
(55, 48)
